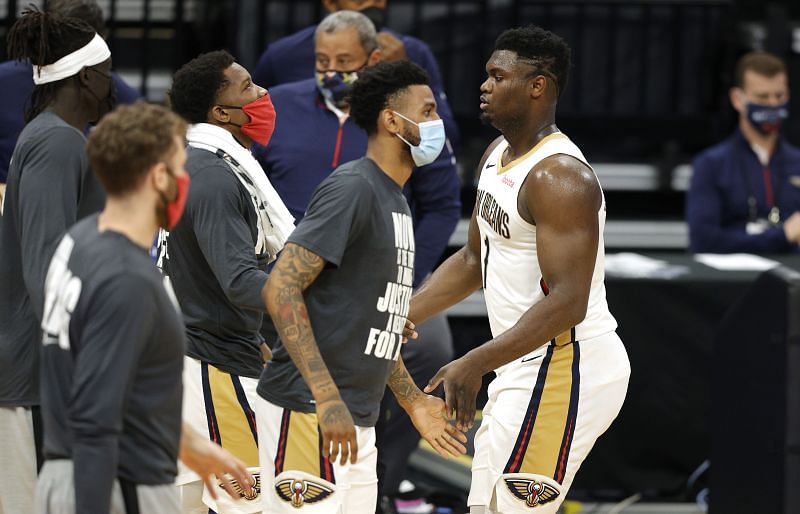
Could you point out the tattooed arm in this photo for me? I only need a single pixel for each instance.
(427, 413)
(296, 269)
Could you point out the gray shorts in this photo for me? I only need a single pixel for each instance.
(55, 494)
(18, 457)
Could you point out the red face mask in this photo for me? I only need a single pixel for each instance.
(174, 209)
(262, 119)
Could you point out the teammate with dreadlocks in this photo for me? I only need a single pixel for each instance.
(49, 188)
(16, 81)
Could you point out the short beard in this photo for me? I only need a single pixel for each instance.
(406, 146)
(408, 136)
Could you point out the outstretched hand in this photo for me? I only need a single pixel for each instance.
(430, 419)
(462, 380)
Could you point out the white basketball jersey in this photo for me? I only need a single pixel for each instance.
(512, 278)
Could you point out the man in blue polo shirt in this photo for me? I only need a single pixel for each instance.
(745, 192)
(292, 58)
(16, 82)
(313, 135)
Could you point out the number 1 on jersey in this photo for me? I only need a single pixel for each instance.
(485, 260)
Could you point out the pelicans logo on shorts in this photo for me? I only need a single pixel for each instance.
(532, 492)
(240, 490)
(299, 492)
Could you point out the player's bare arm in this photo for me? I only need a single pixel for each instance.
(296, 269)
(426, 412)
(457, 277)
(561, 196)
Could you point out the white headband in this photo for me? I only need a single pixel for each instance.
(95, 52)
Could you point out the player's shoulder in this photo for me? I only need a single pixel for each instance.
(209, 171)
(108, 256)
(351, 180)
(47, 143)
(563, 171)
(214, 185)
(49, 126)
(352, 174)
(49, 135)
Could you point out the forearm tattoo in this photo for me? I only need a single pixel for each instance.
(295, 270)
(402, 385)
(335, 414)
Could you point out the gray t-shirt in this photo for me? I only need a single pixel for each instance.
(211, 260)
(49, 188)
(112, 361)
(359, 222)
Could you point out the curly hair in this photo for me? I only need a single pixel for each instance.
(197, 83)
(43, 38)
(548, 52)
(381, 86)
(129, 141)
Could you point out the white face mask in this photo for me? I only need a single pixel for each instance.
(431, 140)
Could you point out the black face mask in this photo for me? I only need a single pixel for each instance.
(376, 15)
(107, 104)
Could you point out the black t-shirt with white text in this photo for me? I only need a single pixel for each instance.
(359, 222)
(112, 360)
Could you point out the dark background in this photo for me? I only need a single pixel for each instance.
(649, 80)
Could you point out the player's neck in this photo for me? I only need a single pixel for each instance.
(236, 132)
(523, 138)
(390, 158)
(69, 108)
(126, 216)
(243, 140)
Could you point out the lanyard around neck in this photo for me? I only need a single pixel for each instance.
(773, 186)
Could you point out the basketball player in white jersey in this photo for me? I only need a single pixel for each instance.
(536, 248)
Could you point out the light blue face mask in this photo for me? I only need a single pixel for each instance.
(431, 141)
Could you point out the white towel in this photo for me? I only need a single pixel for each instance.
(275, 222)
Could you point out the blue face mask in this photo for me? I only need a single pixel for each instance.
(767, 119)
(431, 141)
